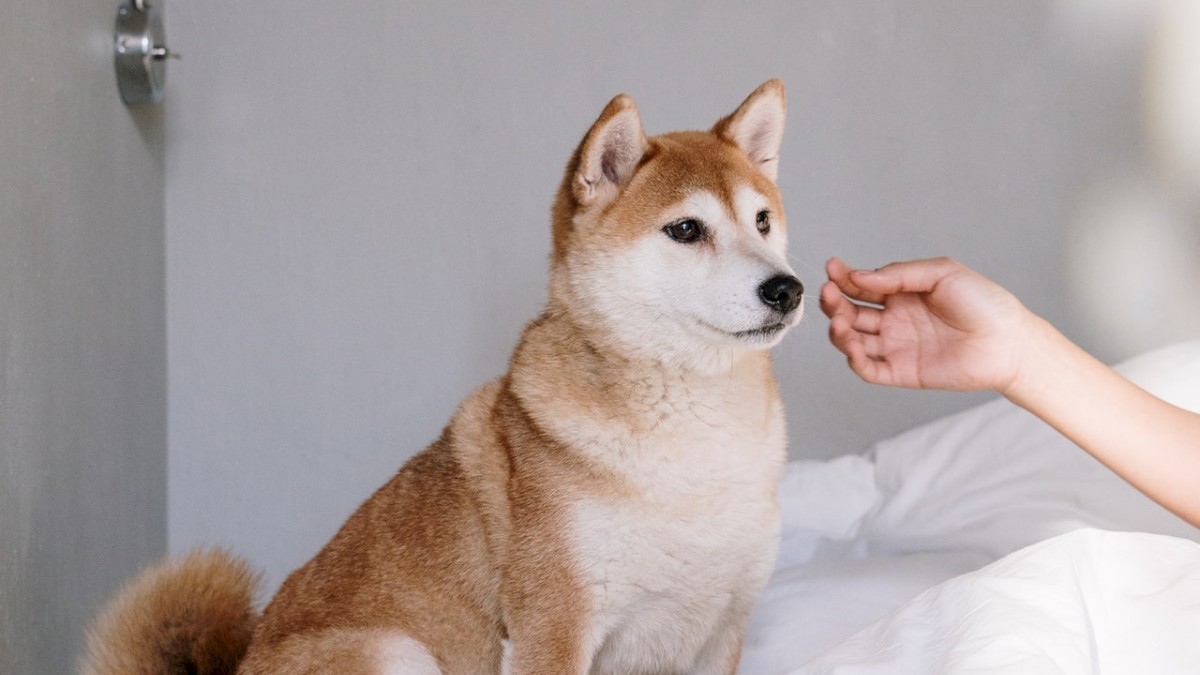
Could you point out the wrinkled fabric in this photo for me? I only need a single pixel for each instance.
(937, 525)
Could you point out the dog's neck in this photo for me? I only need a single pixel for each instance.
(560, 364)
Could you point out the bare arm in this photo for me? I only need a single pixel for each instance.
(936, 324)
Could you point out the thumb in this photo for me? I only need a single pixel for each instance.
(914, 276)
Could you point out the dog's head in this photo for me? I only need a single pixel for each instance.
(675, 245)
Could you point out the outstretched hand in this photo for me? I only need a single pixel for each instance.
(926, 324)
(936, 324)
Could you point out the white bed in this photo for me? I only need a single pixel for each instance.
(984, 542)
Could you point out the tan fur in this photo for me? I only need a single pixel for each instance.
(192, 615)
(603, 507)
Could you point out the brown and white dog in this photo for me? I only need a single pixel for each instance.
(608, 506)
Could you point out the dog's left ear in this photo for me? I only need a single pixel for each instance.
(757, 126)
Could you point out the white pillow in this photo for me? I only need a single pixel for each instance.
(1171, 373)
(822, 502)
(995, 478)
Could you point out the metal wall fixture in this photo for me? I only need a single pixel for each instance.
(140, 56)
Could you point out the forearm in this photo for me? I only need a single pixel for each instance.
(1151, 444)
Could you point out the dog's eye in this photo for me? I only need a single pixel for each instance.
(685, 231)
(763, 221)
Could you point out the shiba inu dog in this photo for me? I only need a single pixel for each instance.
(608, 506)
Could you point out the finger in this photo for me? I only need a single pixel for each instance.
(860, 361)
(914, 276)
(868, 320)
(863, 318)
(832, 300)
(866, 358)
(849, 341)
(864, 353)
(841, 275)
(873, 371)
(872, 346)
(833, 303)
(842, 334)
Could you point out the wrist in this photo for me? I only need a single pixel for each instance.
(1039, 351)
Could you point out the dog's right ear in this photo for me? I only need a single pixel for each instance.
(609, 153)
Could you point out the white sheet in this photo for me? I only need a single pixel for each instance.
(865, 535)
(1085, 602)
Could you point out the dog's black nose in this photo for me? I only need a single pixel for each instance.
(782, 292)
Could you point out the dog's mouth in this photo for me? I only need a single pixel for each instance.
(760, 333)
(764, 333)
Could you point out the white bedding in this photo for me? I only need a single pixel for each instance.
(1089, 601)
(982, 543)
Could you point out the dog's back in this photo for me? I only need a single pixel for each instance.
(412, 571)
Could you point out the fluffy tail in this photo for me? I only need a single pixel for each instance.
(192, 615)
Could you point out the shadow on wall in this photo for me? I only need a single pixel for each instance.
(1133, 246)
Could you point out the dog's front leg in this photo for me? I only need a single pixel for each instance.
(541, 648)
(547, 620)
(722, 652)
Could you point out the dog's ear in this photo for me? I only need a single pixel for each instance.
(609, 153)
(757, 126)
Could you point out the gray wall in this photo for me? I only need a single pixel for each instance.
(82, 332)
(357, 205)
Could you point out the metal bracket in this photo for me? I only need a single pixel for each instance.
(140, 56)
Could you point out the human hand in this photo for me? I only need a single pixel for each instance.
(935, 324)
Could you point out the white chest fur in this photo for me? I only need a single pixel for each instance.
(673, 556)
(672, 569)
(665, 585)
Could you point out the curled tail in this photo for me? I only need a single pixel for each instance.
(193, 615)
